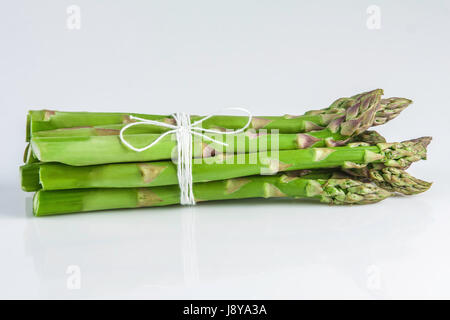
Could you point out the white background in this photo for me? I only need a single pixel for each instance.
(273, 57)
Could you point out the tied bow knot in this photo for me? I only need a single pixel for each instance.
(184, 131)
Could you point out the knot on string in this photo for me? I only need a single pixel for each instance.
(184, 130)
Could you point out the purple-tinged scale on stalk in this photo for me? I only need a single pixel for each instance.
(150, 172)
(271, 191)
(353, 111)
(368, 120)
(233, 185)
(336, 124)
(217, 128)
(169, 121)
(147, 198)
(283, 166)
(290, 116)
(353, 165)
(285, 178)
(106, 132)
(259, 123)
(320, 154)
(252, 134)
(275, 165)
(369, 100)
(207, 150)
(305, 140)
(341, 104)
(313, 188)
(311, 126)
(424, 141)
(369, 137)
(297, 173)
(126, 119)
(313, 112)
(330, 142)
(328, 117)
(349, 127)
(357, 144)
(370, 156)
(48, 114)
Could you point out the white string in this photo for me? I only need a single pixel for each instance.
(184, 130)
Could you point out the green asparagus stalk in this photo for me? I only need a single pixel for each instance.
(57, 176)
(324, 188)
(46, 123)
(82, 151)
(110, 124)
(93, 150)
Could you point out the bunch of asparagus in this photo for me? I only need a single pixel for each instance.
(75, 161)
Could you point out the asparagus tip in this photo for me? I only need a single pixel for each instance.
(390, 108)
(349, 191)
(402, 154)
(397, 180)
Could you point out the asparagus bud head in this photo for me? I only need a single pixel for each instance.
(349, 191)
(402, 154)
(398, 180)
(390, 108)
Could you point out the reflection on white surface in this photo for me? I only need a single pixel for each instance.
(242, 249)
(189, 247)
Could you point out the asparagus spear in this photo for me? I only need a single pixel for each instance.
(389, 178)
(45, 123)
(56, 176)
(382, 116)
(92, 150)
(325, 188)
(389, 109)
(82, 151)
(398, 180)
